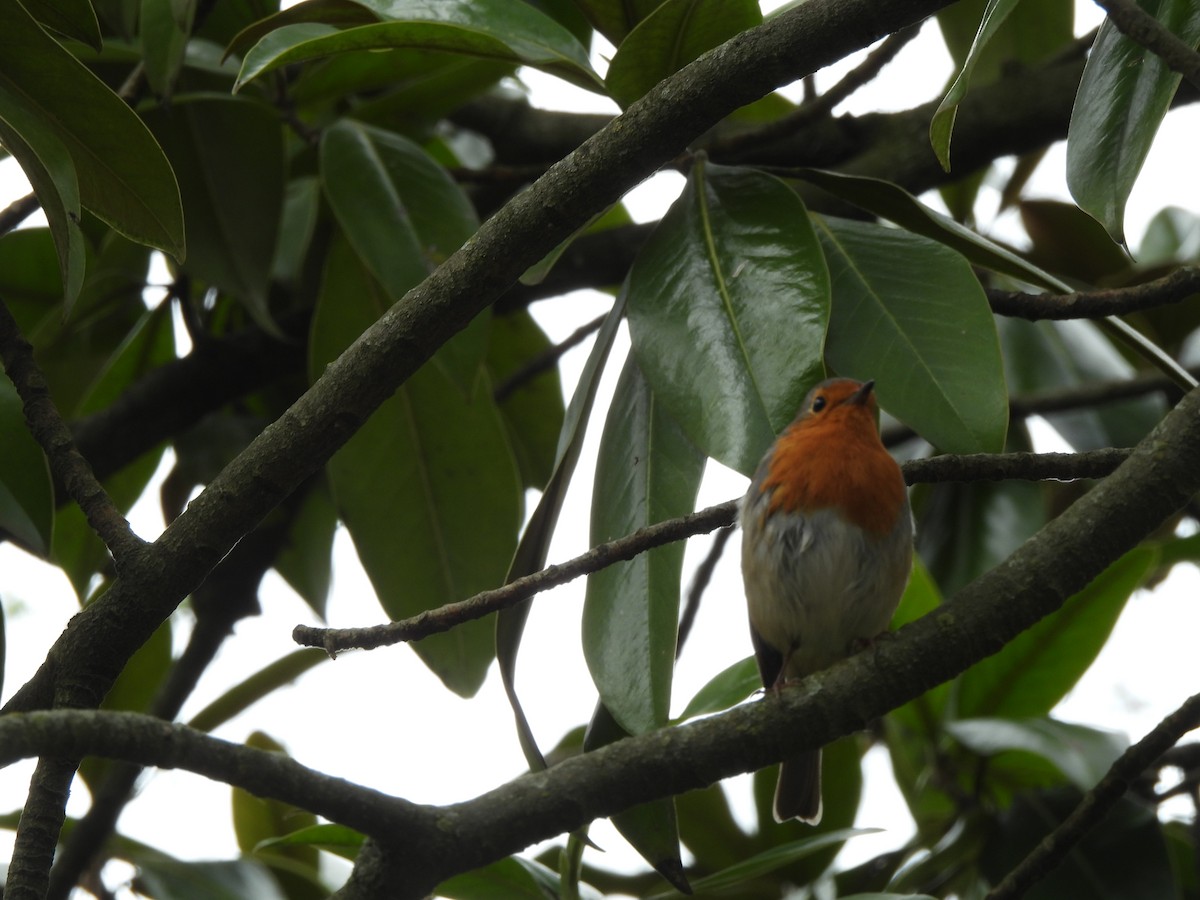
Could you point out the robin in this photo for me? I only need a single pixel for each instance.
(827, 549)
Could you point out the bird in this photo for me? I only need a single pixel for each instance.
(827, 547)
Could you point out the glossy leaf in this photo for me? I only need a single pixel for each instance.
(403, 215)
(1123, 95)
(228, 156)
(428, 487)
(891, 202)
(207, 879)
(672, 36)
(1082, 754)
(123, 176)
(728, 306)
(910, 313)
(1036, 669)
(942, 126)
(266, 680)
(1172, 236)
(616, 18)
(301, 205)
(533, 412)
(402, 212)
(727, 689)
(531, 552)
(987, 36)
(489, 29)
(648, 471)
(48, 165)
(26, 491)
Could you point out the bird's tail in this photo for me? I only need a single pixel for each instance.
(798, 792)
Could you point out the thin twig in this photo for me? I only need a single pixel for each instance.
(700, 582)
(976, 467)
(50, 431)
(547, 360)
(1179, 285)
(1142, 28)
(1098, 801)
(815, 108)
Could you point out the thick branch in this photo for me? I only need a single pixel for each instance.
(100, 639)
(1142, 28)
(429, 845)
(975, 467)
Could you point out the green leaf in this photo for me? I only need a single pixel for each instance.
(616, 18)
(301, 206)
(514, 877)
(942, 125)
(1123, 95)
(123, 176)
(73, 19)
(1035, 670)
(769, 861)
(648, 471)
(895, 204)
(404, 215)
(26, 491)
(262, 683)
(1172, 237)
(728, 305)
(428, 488)
(986, 37)
(534, 546)
(911, 314)
(228, 155)
(338, 839)
(258, 819)
(207, 880)
(726, 689)
(47, 164)
(489, 29)
(164, 39)
(533, 412)
(402, 212)
(1084, 755)
(672, 36)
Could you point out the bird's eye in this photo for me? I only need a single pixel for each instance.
(818, 403)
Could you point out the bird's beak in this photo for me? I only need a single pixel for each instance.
(860, 396)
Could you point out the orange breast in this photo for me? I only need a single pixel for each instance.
(837, 463)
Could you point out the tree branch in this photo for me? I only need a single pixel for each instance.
(1142, 28)
(1179, 285)
(975, 467)
(66, 462)
(85, 660)
(1098, 801)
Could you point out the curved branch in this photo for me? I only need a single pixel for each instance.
(85, 660)
(974, 467)
(426, 845)
(149, 741)
(69, 466)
